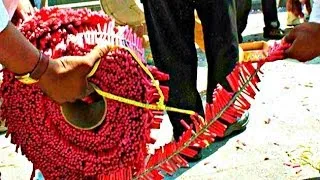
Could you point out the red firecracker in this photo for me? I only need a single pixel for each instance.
(117, 148)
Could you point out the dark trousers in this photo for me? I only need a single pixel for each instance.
(270, 14)
(170, 26)
(243, 10)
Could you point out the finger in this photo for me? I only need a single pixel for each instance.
(86, 90)
(24, 15)
(98, 52)
(292, 35)
(90, 89)
(31, 10)
(292, 51)
(70, 98)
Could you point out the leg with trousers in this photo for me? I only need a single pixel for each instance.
(271, 22)
(270, 13)
(243, 10)
(219, 24)
(170, 26)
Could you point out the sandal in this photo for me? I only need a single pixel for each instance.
(240, 125)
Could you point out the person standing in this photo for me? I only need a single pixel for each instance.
(271, 22)
(170, 25)
(269, 9)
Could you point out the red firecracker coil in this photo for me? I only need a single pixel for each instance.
(117, 148)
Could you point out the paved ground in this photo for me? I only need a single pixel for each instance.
(283, 116)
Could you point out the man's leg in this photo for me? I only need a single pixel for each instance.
(221, 40)
(243, 10)
(271, 22)
(170, 26)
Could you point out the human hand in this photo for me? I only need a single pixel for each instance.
(304, 40)
(65, 80)
(25, 9)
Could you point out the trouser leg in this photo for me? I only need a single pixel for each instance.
(170, 26)
(221, 40)
(270, 13)
(243, 10)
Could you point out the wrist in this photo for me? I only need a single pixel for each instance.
(41, 67)
(51, 72)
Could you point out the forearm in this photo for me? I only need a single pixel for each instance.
(16, 52)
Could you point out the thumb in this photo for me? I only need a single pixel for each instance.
(295, 53)
(291, 52)
(97, 52)
(288, 52)
(291, 36)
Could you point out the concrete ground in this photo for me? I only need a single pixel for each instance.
(283, 116)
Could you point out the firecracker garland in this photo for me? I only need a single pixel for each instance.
(116, 149)
(226, 108)
(35, 122)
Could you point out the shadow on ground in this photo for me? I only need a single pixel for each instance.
(205, 153)
(259, 37)
(218, 144)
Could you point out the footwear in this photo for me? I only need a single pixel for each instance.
(3, 129)
(273, 33)
(240, 125)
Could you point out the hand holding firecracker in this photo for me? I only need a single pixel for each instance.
(25, 9)
(305, 40)
(65, 79)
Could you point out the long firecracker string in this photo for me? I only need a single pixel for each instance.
(197, 134)
(219, 114)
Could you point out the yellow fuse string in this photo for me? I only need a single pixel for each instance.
(26, 79)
